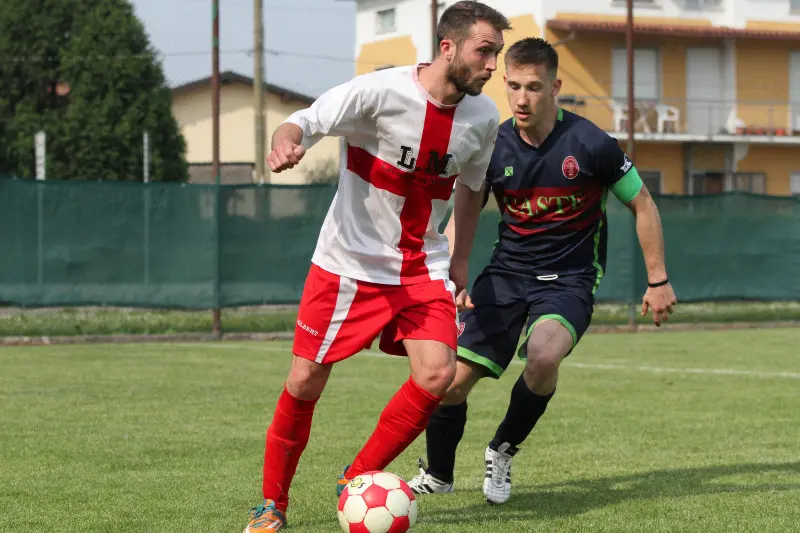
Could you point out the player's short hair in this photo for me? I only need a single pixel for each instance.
(457, 20)
(533, 51)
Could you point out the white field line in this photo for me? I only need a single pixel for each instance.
(591, 366)
(717, 371)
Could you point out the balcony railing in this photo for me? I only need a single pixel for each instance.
(692, 118)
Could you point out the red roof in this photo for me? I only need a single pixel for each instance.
(672, 30)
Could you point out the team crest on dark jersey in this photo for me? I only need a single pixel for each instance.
(461, 327)
(570, 167)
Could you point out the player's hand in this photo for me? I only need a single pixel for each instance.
(285, 155)
(459, 269)
(660, 300)
(463, 301)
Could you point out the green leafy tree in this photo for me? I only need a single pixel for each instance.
(84, 72)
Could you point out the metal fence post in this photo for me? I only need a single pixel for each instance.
(146, 181)
(635, 277)
(39, 234)
(40, 148)
(216, 319)
(216, 326)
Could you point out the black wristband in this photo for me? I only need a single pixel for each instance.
(659, 284)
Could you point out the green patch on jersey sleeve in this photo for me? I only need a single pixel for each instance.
(628, 186)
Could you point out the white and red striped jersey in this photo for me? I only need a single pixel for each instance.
(402, 153)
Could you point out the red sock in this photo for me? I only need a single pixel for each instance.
(287, 437)
(401, 422)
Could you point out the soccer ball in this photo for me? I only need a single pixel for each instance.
(377, 502)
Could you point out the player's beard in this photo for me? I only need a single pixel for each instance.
(458, 73)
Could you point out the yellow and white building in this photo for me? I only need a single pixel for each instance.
(717, 82)
(191, 105)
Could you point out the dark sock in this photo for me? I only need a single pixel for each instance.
(524, 410)
(444, 432)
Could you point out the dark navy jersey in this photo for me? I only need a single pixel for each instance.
(552, 198)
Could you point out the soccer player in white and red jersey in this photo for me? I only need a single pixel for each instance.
(381, 267)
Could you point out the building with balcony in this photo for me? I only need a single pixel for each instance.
(717, 82)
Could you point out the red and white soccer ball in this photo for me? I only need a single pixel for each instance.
(377, 502)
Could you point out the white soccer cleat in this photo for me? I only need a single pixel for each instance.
(425, 483)
(497, 482)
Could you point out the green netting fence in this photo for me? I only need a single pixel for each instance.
(70, 243)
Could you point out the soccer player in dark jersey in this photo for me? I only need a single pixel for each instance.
(551, 172)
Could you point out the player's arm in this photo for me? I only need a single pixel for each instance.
(648, 223)
(469, 200)
(450, 229)
(287, 148)
(463, 224)
(450, 232)
(463, 300)
(626, 184)
(336, 113)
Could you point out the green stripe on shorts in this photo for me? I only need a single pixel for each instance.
(558, 318)
(490, 365)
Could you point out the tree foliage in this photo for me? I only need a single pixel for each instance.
(84, 72)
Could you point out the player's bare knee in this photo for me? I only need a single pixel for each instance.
(307, 379)
(542, 361)
(456, 394)
(436, 379)
(548, 360)
(534, 350)
(467, 375)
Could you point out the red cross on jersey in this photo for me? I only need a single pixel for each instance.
(403, 153)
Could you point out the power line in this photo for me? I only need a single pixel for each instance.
(294, 6)
(117, 57)
(183, 53)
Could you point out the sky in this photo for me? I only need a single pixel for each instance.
(310, 43)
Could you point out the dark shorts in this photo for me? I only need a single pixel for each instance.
(492, 332)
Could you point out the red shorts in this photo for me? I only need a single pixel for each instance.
(340, 316)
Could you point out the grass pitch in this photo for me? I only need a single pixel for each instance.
(691, 431)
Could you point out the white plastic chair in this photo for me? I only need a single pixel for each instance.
(668, 114)
(620, 115)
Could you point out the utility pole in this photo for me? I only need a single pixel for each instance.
(631, 119)
(631, 106)
(258, 86)
(215, 88)
(216, 326)
(434, 23)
